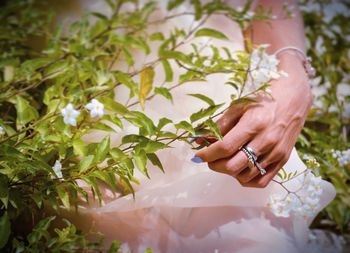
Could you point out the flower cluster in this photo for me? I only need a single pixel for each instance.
(70, 115)
(343, 157)
(303, 202)
(263, 68)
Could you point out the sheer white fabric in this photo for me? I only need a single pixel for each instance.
(190, 208)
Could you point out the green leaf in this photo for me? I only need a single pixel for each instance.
(153, 146)
(125, 79)
(103, 127)
(186, 126)
(5, 229)
(205, 112)
(112, 105)
(64, 196)
(146, 82)
(25, 112)
(156, 36)
(140, 160)
(208, 32)
(213, 128)
(169, 76)
(128, 57)
(57, 69)
(102, 150)
(115, 245)
(164, 92)
(198, 12)
(79, 147)
(204, 98)
(117, 154)
(243, 100)
(141, 120)
(172, 4)
(132, 138)
(107, 177)
(162, 122)
(114, 119)
(148, 250)
(85, 163)
(176, 55)
(155, 161)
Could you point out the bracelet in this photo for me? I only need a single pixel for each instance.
(310, 71)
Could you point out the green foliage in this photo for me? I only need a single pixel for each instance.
(43, 152)
(81, 63)
(327, 127)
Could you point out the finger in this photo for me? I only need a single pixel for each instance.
(272, 169)
(262, 181)
(233, 140)
(226, 122)
(265, 145)
(230, 166)
(230, 118)
(237, 165)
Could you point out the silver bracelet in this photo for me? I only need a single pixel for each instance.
(310, 71)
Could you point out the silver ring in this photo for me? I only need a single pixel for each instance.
(251, 151)
(251, 161)
(261, 169)
(252, 156)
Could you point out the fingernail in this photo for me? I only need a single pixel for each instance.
(197, 159)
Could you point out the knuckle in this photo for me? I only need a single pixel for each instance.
(259, 122)
(226, 147)
(279, 153)
(271, 140)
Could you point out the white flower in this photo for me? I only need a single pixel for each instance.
(292, 202)
(343, 157)
(95, 108)
(309, 207)
(304, 201)
(2, 131)
(70, 115)
(57, 168)
(314, 190)
(311, 179)
(278, 206)
(263, 68)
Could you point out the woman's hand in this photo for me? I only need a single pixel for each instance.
(269, 126)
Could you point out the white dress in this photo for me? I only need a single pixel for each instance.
(191, 208)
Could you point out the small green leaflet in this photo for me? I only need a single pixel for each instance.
(208, 32)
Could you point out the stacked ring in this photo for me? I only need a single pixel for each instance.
(252, 159)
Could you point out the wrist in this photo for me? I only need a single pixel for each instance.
(297, 84)
(292, 64)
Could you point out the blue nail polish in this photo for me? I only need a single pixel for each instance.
(197, 159)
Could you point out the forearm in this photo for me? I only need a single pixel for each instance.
(283, 32)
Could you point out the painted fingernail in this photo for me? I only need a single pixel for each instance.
(197, 159)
